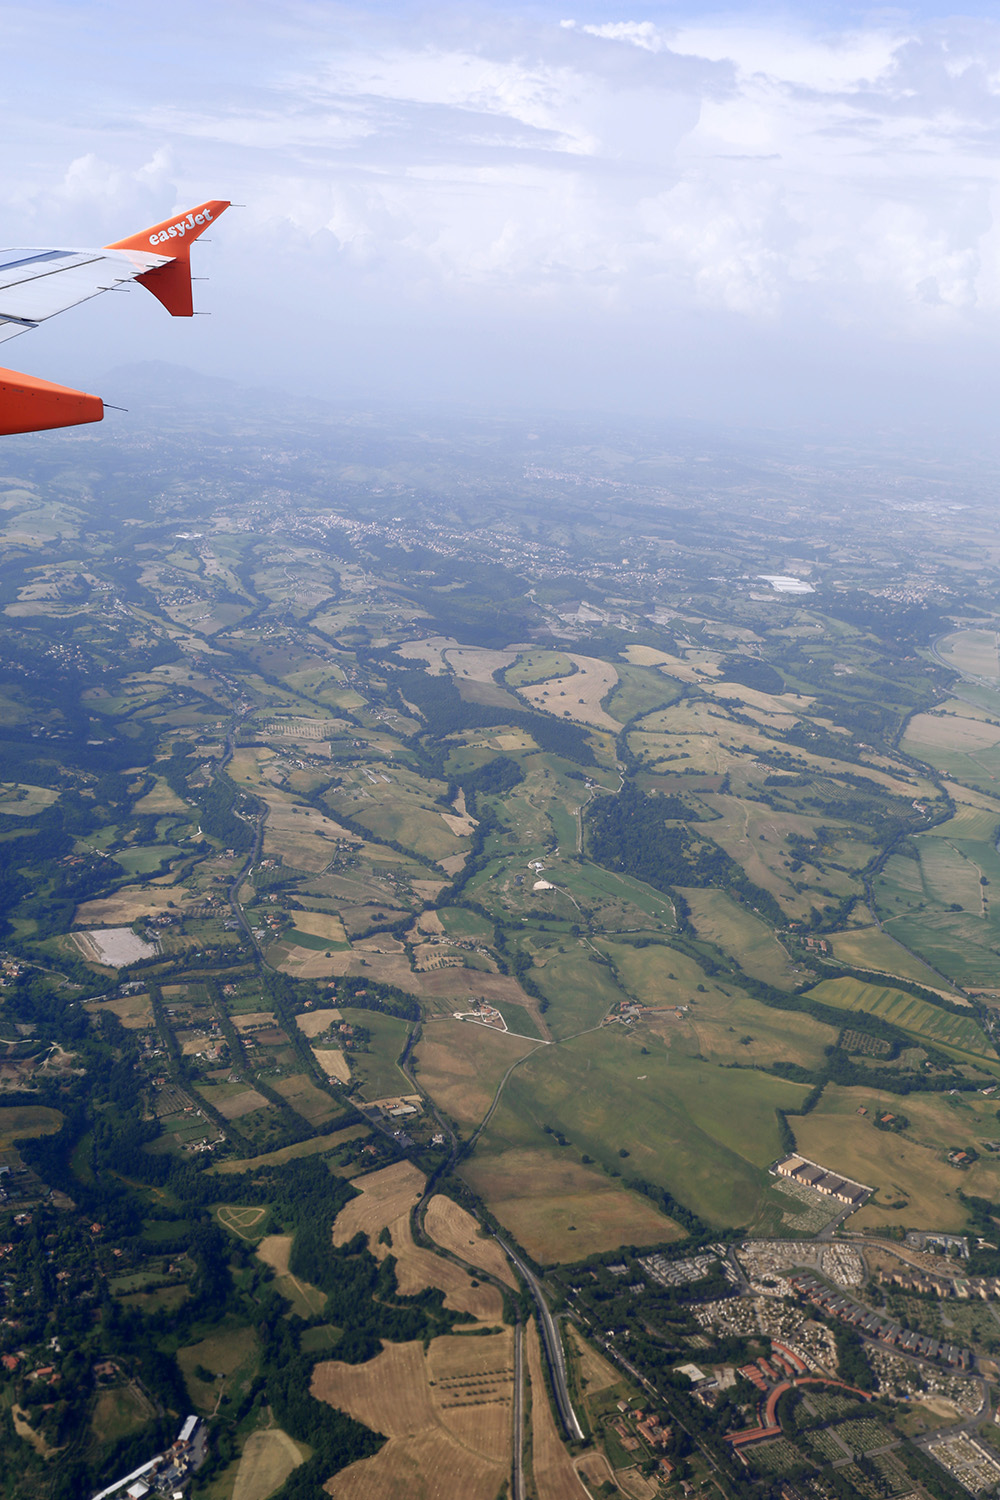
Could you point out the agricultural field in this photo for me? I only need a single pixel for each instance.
(446, 1412)
(874, 948)
(702, 1132)
(461, 1065)
(722, 921)
(959, 1036)
(451, 1227)
(579, 694)
(306, 1300)
(338, 773)
(916, 1185)
(23, 1122)
(269, 1456)
(232, 1355)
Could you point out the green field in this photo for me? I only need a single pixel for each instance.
(579, 988)
(702, 1132)
(959, 1036)
(375, 1071)
(721, 920)
(871, 948)
(656, 974)
(640, 690)
(537, 666)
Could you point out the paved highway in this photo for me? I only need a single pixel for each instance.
(517, 1472)
(553, 1347)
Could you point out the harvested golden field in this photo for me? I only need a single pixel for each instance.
(386, 1204)
(305, 838)
(451, 1227)
(333, 1061)
(384, 1197)
(555, 1477)
(430, 651)
(268, 1457)
(444, 1441)
(134, 1011)
(478, 663)
(252, 1020)
(321, 924)
(461, 1065)
(237, 1105)
(577, 697)
(313, 1022)
(596, 1374)
(561, 1210)
(123, 907)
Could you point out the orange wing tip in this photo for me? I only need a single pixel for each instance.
(30, 405)
(171, 282)
(173, 236)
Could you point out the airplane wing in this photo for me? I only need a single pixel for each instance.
(37, 284)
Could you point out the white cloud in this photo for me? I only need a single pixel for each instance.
(492, 168)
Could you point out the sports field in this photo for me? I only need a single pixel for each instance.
(247, 1222)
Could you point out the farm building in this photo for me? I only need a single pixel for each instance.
(811, 1174)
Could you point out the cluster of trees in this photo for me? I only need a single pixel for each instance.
(445, 711)
(633, 832)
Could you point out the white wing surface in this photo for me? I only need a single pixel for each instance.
(37, 284)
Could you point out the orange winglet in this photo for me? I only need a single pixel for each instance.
(171, 283)
(30, 405)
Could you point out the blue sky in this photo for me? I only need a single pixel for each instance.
(766, 214)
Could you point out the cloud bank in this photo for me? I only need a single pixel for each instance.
(754, 214)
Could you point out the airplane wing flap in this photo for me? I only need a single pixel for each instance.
(35, 285)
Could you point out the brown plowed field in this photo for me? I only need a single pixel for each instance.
(447, 1440)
